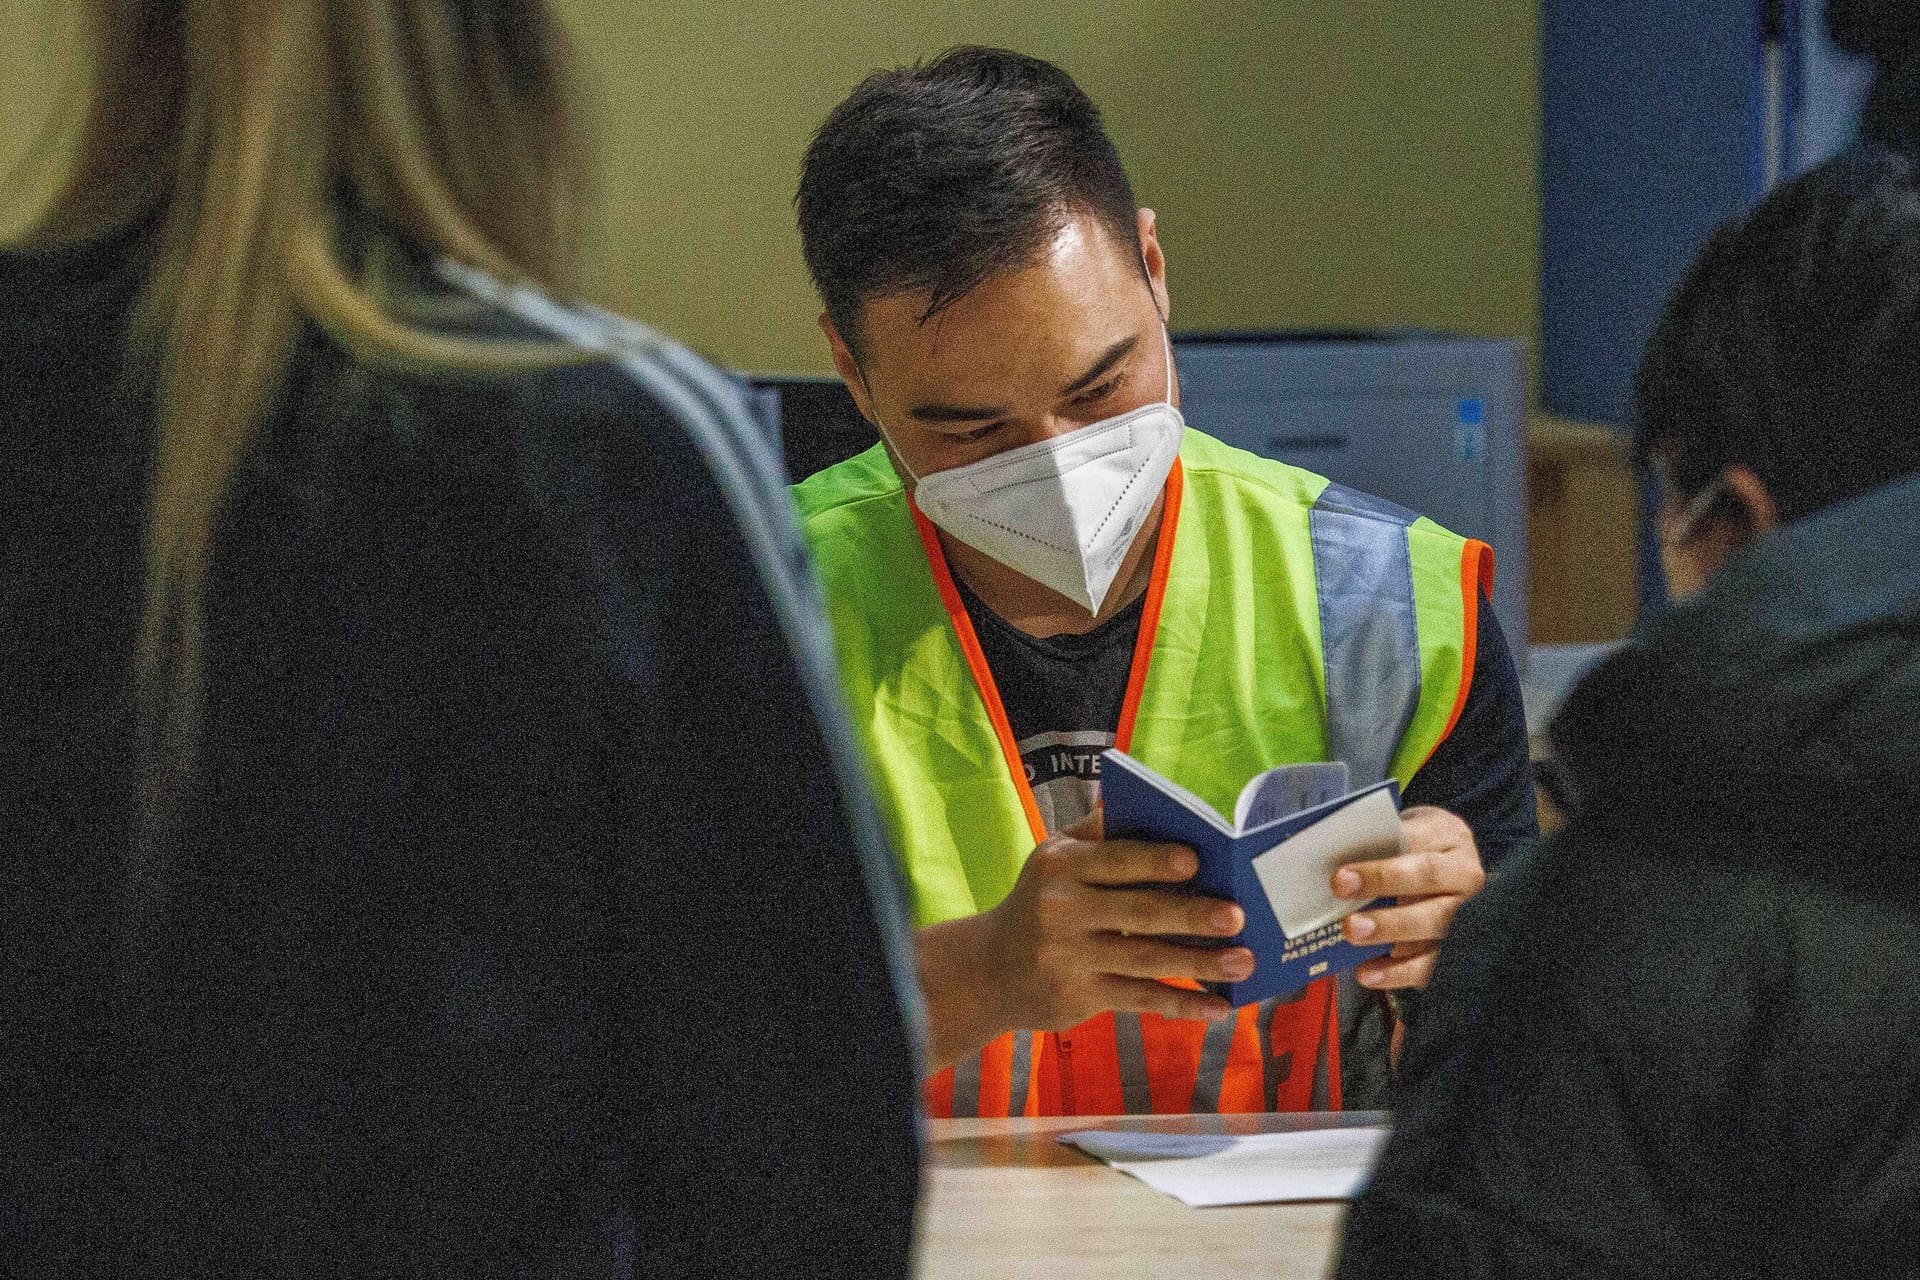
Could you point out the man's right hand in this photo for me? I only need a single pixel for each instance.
(1080, 933)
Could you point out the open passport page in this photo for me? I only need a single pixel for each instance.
(1294, 826)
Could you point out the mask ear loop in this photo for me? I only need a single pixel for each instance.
(1698, 509)
(1166, 334)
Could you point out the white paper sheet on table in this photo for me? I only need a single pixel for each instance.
(1207, 1169)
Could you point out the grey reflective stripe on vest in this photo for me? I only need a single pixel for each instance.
(1022, 1073)
(1131, 1040)
(1218, 1043)
(1321, 1096)
(966, 1080)
(966, 1087)
(1274, 1067)
(1213, 1064)
(1369, 632)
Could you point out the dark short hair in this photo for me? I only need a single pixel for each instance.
(1887, 31)
(1884, 29)
(939, 176)
(1793, 344)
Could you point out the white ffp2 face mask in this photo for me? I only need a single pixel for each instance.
(1063, 511)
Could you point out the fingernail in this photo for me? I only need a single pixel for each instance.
(1346, 882)
(1239, 968)
(1367, 977)
(1361, 927)
(1218, 1013)
(1227, 920)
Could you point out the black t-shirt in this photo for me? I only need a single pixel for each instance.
(1063, 696)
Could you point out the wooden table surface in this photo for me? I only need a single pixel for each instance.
(1003, 1198)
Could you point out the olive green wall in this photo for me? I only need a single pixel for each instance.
(1349, 163)
(35, 55)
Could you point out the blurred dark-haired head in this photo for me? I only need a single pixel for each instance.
(1793, 345)
(1884, 29)
(936, 177)
(1888, 31)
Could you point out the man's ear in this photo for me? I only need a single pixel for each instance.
(1156, 262)
(1746, 488)
(847, 367)
(1742, 515)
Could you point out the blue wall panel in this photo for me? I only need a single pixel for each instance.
(1650, 117)
(1653, 114)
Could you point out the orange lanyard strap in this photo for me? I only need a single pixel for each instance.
(1150, 612)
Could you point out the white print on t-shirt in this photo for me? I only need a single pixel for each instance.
(1064, 771)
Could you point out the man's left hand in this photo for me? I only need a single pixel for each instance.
(1439, 870)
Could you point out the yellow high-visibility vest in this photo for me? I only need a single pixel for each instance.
(1287, 620)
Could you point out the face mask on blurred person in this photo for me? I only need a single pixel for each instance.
(1063, 511)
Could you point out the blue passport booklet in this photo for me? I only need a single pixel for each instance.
(1293, 827)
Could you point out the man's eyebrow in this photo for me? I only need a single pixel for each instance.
(955, 413)
(1110, 357)
(984, 413)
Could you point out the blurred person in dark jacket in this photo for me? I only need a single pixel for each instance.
(430, 843)
(1714, 1071)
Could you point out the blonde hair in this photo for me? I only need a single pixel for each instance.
(245, 134)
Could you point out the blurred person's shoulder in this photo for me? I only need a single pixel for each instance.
(616, 405)
(617, 415)
(1714, 965)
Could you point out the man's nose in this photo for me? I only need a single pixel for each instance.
(1052, 426)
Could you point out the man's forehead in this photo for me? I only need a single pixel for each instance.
(1066, 306)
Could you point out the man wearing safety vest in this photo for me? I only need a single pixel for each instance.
(1042, 560)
